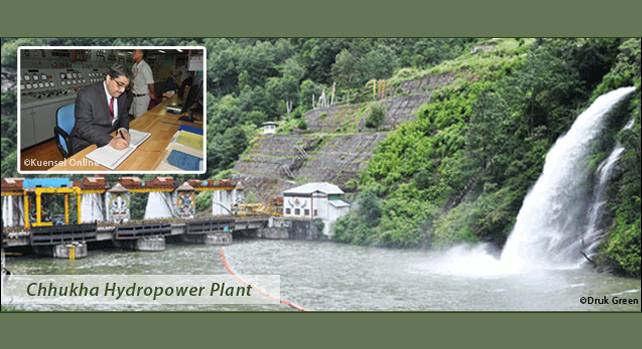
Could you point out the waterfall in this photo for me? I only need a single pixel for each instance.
(551, 225)
(591, 238)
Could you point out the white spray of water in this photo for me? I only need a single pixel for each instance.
(466, 261)
(549, 232)
(551, 225)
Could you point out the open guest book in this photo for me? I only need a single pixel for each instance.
(111, 158)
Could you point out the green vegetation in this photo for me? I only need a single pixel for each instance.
(9, 132)
(204, 201)
(622, 249)
(461, 169)
(377, 115)
(251, 80)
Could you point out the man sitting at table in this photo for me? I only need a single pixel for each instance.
(101, 109)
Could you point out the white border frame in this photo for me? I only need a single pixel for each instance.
(19, 106)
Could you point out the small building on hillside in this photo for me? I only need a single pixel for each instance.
(269, 127)
(315, 201)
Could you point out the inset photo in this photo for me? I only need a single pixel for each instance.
(111, 109)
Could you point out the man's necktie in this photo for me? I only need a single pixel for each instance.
(111, 108)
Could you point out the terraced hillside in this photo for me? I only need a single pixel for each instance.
(286, 161)
(336, 145)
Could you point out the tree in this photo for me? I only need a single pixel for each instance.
(317, 55)
(259, 99)
(378, 63)
(257, 63)
(308, 89)
(344, 71)
(286, 87)
(222, 66)
(488, 141)
(369, 210)
(224, 149)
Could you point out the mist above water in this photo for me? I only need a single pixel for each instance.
(552, 230)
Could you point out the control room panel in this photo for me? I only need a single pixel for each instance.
(51, 78)
(52, 74)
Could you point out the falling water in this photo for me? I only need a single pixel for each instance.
(549, 231)
(591, 238)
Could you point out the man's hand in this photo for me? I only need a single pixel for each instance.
(125, 135)
(118, 143)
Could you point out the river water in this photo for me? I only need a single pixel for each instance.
(326, 276)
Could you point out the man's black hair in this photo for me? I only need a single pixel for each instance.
(118, 69)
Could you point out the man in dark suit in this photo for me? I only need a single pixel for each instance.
(101, 109)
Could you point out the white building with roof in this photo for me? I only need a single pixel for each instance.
(269, 127)
(315, 201)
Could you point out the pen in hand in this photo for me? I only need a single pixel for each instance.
(122, 135)
(119, 142)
